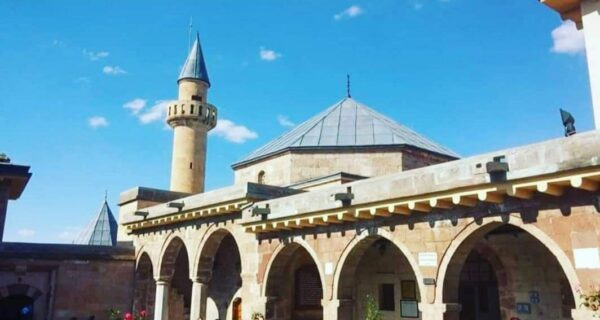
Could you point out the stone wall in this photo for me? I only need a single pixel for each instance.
(296, 166)
(91, 288)
(68, 281)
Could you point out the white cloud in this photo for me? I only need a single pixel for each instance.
(94, 56)
(157, 112)
(284, 121)
(69, 233)
(232, 132)
(98, 122)
(58, 43)
(135, 105)
(145, 115)
(567, 39)
(114, 71)
(26, 233)
(268, 55)
(349, 13)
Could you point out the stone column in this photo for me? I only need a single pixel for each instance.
(582, 314)
(161, 307)
(590, 13)
(199, 297)
(3, 208)
(432, 311)
(330, 309)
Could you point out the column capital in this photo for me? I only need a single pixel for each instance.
(199, 280)
(331, 303)
(162, 281)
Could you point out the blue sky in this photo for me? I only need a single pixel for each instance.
(82, 82)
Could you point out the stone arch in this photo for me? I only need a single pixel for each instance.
(140, 253)
(279, 250)
(166, 263)
(209, 245)
(371, 262)
(145, 286)
(382, 234)
(473, 231)
(174, 268)
(218, 265)
(293, 283)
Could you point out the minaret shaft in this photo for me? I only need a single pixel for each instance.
(189, 158)
(191, 117)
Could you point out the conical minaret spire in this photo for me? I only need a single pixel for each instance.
(191, 117)
(194, 67)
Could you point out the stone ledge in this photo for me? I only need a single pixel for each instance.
(51, 251)
(149, 194)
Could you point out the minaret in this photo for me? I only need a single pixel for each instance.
(191, 117)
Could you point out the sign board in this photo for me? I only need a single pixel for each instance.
(523, 308)
(427, 259)
(587, 258)
(534, 297)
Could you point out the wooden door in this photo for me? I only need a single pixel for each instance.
(237, 309)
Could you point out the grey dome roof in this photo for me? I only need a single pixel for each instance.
(102, 231)
(347, 123)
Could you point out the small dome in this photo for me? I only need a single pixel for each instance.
(347, 123)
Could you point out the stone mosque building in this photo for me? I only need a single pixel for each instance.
(351, 204)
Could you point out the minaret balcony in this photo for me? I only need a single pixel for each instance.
(191, 112)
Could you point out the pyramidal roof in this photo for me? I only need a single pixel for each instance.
(347, 123)
(102, 231)
(194, 66)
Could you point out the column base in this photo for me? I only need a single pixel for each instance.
(432, 311)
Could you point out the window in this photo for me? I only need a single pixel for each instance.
(191, 166)
(192, 109)
(196, 98)
(175, 112)
(261, 177)
(386, 297)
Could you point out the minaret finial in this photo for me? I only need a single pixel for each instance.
(190, 36)
(348, 86)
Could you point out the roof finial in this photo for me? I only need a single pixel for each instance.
(105, 195)
(190, 36)
(348, 86)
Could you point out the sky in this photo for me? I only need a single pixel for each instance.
(83, 85)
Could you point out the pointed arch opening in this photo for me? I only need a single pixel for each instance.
(145, 286)
(375, 267)
(294, 287)
(502, 271)
(220, 267)
(175, 269)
